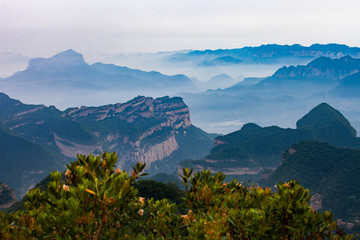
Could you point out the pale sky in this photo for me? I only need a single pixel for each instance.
(46, 27)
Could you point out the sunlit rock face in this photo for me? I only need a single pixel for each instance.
(142, 129)
(149, 117)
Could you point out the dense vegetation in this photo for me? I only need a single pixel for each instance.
(32, 162)
(98, 201)
(261, 147)
(332, 172)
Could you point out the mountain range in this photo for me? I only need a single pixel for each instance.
(65, 76)
(249, 152)
(38, 139)
(66, 80)
(283, 97)
(263, 54)
(322, 154)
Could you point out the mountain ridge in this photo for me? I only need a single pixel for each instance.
(328, 171)
(252, 149)
(156, 131)
(264, 53)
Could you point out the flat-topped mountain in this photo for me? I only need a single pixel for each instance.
(155, 131)
(67, 77)
(247, 152)
(173, 110)
(67, 58)
(69, 69)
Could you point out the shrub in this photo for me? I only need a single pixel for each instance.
(97, 201)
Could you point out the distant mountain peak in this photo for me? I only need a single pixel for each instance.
(66, 58)
(321, 67)
(319, 115)
(324, 116)
(69, 54)
(323, 62)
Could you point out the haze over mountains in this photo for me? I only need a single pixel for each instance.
(324, 75)
(257, 61)
(38, 139)
(322, 153)
(331, 74)
(66, 78)
(246, 153)
(265, 53)
(282, 97)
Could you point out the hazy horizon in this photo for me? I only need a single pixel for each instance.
(43, 28)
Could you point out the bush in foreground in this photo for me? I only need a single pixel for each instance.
(98, 201)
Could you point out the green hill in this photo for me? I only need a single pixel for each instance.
(22, 163)
(327, 124)
(332, 172)
(246, 153)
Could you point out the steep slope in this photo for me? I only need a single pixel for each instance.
(22, 163)
(327, 124)
(246, 153)
(145, 129)
(7, 196)
(155, 131)
(332, 172)
(42, 125)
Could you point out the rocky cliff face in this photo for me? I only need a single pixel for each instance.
(158, 120)
(142, 129)
(7, 196)
(170, 111)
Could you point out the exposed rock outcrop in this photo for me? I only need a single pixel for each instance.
(142, 129)
(157, 117)
(7, 196)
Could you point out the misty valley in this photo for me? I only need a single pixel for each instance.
(270, 118)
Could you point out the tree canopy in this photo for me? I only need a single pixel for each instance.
(98, 201)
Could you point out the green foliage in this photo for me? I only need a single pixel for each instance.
(332, 172)
(327, 124)
(261, 147)
(24, 163)
(158, 191)
(166, 178)
(231, 211)
(98, 202)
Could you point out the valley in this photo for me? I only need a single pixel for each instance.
(299, 122)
